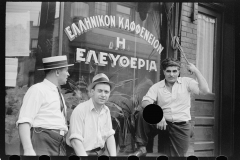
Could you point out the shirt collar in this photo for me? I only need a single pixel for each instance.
(162, 83)
(93, 108)
(179, 80)
(50, 84)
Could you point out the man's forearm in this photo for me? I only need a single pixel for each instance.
(78, 147)
(145, 103)
(111, 146)
(202, 83)
(24, 134)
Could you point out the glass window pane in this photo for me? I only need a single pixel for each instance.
(130, 60)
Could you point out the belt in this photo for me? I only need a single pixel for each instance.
(60, 132)
(95, 152)
(178, 123)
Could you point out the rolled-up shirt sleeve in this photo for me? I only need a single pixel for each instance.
(193, 86)
(76, 129)
(108, 130)
(32, 102)
(151, 95)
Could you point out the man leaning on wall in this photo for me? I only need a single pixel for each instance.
(173, 95)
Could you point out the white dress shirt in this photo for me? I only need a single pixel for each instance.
(41, 107)
(89, 126)
(175, 105)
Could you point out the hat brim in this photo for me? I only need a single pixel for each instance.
(112, 85)
(55, 67)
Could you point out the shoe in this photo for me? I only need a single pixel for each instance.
(141, 152)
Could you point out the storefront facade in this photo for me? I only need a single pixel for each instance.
(126, 41)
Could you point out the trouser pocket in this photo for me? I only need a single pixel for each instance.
(48, 142)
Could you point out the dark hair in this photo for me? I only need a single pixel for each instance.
(170, 62)
(47, 71)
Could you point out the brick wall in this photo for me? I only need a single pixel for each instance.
(189, 45)
(188, 36)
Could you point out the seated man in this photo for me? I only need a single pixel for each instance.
(173, 95)
(90, 123)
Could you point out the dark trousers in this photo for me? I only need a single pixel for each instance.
(47, 142)
(176, 136)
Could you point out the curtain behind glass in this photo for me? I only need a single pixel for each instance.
(205, 47)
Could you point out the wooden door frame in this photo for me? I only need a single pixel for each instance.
(224, 131)
(216, 12)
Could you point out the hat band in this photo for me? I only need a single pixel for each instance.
(55, 64)
(101, 79)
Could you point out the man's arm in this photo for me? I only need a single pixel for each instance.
(145, 103)
(24, 133)
(78, 147)
(202, 83)
(32, 102)
(111, 146)
(162, 124)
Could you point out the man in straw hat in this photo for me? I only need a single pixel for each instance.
(173, 95)
(41, 123)
(90, 123)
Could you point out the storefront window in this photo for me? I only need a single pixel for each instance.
(131, 61)
(113, 38)
(119, 44)
(32, 33)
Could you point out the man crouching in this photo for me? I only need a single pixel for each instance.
(90, 131)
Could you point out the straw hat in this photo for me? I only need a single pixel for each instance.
(55, 62)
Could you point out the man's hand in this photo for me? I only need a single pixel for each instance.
(192, 68)
(29, 152)
(162, 125)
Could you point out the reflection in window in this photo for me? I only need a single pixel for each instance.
(79, 9)
(124, 12)
(57, 10)
(34, 43)
(20, 7)
(101, 8)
